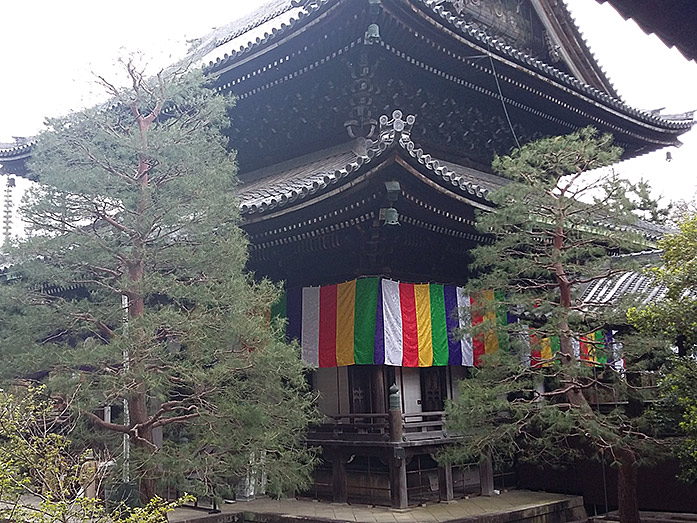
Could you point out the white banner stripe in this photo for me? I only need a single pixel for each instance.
(392, 318)
(463, 306)
(310, 326)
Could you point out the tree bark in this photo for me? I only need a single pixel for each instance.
(627, 475)
(147, 489)
(574, 395)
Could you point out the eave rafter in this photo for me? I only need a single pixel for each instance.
(563, 101)
(443, 22)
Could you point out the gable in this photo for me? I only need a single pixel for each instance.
(540, 28)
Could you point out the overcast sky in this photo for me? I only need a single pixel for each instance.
(49, 49)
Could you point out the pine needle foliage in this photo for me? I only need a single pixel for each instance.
(132, 287)
(557, 227)
(675, 317)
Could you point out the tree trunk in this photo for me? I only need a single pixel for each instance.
(143, 439)
(147, 489)
(627, 474)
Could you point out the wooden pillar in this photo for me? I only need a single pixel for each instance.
(445, 482)
(486, 475)
(378, 386)
(339, 480)
(398, 479)
(398, 463)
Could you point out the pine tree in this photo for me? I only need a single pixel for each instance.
(674, 317)
(132, 291)
(554, 228)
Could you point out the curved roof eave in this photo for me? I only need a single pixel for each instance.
(272, 36)
(508, 55)
(394, 137)
(16, 152)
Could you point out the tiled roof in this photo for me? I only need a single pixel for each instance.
(267, 23)
(283, 184)
(673, 22)
(608, 290)
(636, 283)
(230, 43)
(16, 151)
(569, 26)
(529, 62)
(485, 181)
(287, 182)
(280, 185)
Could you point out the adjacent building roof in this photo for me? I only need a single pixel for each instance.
(629, 283)
(673, 21)
(609, 290)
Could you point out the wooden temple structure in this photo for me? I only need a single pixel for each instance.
(365, 131)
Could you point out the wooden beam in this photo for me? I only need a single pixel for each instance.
(398, 479)
(445, 482)
(486, 476)
(339, 479)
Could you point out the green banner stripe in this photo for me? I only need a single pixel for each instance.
(439, 326)
(555, 342)
(600, 353)
(364, 320)
(501, 318)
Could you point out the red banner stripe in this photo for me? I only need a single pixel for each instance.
(478, 343)
(410, 331)
(327, 326)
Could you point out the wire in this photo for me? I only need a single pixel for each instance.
(503, 103)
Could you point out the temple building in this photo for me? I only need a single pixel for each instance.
(365, 131)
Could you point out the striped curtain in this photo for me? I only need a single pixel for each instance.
(376, 321)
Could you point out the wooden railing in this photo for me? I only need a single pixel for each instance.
(352, 427)
(419, 426)
(424, 426)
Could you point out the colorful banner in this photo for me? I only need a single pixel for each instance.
(416, 324)
(378, 321)
(592, 348)
(375, 321)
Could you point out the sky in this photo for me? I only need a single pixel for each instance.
(50, 50)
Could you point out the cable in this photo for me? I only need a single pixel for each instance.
(503, 103)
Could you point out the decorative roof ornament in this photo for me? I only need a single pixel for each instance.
(458, 5)
(361, 122)
(553, 48)
(395, 128)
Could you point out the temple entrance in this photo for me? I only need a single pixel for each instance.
(434, 388)
(367, 389)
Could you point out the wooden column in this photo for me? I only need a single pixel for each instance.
(378, 386)
(486, 475)
(398, 463)
(398, 478)
(339, 480)
(445, 482)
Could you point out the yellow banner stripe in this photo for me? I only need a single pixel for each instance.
(345, 316)
(423, 321)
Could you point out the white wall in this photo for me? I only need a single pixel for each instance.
(411, 389)
(332, 385)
